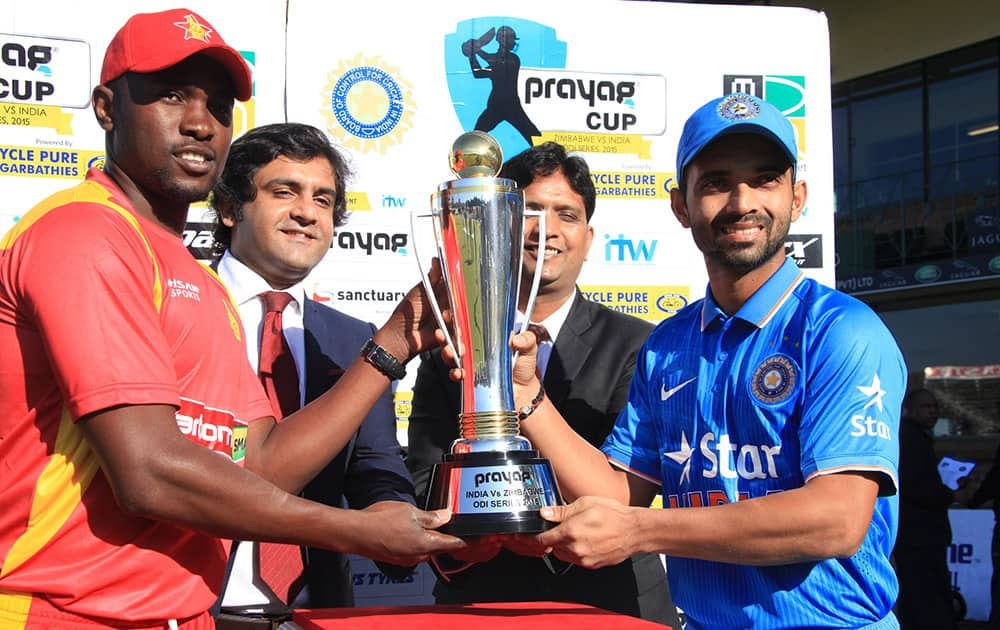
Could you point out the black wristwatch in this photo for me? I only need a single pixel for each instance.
(384, 362)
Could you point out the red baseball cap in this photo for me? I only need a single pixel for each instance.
(150, 42)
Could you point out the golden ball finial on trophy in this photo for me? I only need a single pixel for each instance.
(475, 154)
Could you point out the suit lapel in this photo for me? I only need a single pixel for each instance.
(570, 352)
(319, 368)
(322, 371)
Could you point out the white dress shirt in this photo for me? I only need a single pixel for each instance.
(245, 589)
(553, 324)
(245, 285)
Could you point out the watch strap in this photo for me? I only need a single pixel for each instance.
(382, 361)
(529, 409)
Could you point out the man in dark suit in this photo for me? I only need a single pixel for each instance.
(279, 198)
(921, 552)
(587, 367)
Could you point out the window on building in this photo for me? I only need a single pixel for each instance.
(916, 162)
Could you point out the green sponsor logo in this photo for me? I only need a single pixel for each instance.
(239, 443)
(787, 93)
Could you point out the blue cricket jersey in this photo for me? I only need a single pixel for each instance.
(802, 381)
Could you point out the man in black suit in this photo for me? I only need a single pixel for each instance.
(279, 198)
(921, 552)
(587, 367)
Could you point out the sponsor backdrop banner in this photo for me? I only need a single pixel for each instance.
(394, 83)
(611, 80)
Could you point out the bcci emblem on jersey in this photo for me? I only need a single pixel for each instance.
(774, 380)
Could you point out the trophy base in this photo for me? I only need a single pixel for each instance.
(494, 492)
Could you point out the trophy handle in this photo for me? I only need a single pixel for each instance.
(425, 277)
(536, 279)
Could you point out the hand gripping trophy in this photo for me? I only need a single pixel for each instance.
(492, 480)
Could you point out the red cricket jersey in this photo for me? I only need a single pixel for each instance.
(99, 308)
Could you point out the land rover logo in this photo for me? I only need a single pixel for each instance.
(927, 273)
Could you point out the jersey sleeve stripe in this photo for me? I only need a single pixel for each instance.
(633, 471)
(59, 490)
(77, 193)
(88, 191)
(157, 283)
(888, 472)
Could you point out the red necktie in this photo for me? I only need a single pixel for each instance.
(276, 367)
(280, 565)
(541, 332)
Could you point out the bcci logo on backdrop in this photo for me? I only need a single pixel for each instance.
(367, 105)
(786, 92)
(507, 77)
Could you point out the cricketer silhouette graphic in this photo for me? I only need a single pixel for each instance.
(503, 66)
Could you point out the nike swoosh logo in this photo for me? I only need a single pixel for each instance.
(667, 393)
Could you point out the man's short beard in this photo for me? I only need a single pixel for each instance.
(172, 190)
(742, 263)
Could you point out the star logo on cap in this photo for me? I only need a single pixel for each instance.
(193, 29)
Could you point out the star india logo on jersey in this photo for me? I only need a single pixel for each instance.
(724, 458)
(863, 424)
(720, 458)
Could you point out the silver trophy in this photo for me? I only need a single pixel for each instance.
(492, 480)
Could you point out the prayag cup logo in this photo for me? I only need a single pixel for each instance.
(367, 104)
(508, 77)
(44, 71)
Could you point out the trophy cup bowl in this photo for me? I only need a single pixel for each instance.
(492, 480)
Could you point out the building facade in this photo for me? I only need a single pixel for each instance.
(915, 99)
